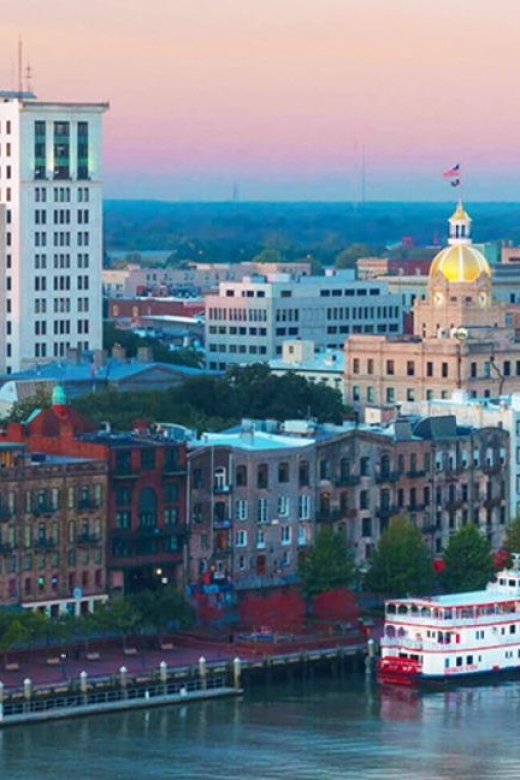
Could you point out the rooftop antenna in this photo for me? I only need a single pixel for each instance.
(28, 78)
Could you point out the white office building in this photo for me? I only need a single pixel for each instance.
(248, 321)
(50, 229)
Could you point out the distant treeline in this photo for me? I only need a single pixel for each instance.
(231, 232)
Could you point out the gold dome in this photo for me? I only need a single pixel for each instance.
(460, 263)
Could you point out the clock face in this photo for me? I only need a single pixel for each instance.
(482, 298)
(438, 298)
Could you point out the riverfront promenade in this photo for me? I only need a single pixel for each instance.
(57, 666)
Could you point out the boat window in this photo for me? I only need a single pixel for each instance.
(512, 629)
(402, 609)
(390, 609)
(446, 663)
(390, 631)
(426, 612)
(469, 659)
(414, 610)
(458, 660)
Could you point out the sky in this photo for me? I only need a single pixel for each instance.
(285, 99)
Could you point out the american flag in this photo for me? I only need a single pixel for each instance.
(452, 172)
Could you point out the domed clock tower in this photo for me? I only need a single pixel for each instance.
(459, 297)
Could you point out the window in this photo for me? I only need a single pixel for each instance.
(283, 472)
(303, 473)
(304, 507)
(390, 367)
(240, 509)
(241, 476)
(261, 510)
(241, 538)
(284, 505)
(262, 476)
(286, 534)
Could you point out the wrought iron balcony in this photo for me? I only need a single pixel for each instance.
(87, 540)
(221, 490)
(45, 543)
(347, 480)
(387, 476)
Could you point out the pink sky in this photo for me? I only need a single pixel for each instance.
(281, 97)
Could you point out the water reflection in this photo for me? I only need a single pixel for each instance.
(327, 730)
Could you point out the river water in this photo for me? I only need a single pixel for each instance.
(324, 730)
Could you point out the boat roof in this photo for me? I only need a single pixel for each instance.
(469, 599)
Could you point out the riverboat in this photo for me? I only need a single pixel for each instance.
(449, 638)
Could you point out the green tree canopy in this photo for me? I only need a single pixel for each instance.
(348, 257)
(269, 256)
(22, 410)
(512, 538)
(401, 563)
(213, 402)
(468, 561)
(327, 565)
(162, 607)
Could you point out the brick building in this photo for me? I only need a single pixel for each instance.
(251, 506)
(431, 470)
(52, 530)
(145, 496)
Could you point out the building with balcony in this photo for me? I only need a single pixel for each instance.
(503, 412)
(145, 498)
(251, 509)
(439, 474)
(53, 531)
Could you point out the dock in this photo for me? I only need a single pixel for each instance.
(133, 685)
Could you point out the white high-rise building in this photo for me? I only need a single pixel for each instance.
(50, 229)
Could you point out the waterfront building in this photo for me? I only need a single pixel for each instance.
(438, 474)
(462, 337)
(52, 531)
(252, 509)
(51, 230)
(248, 321)
(145, 495)
(503, 412)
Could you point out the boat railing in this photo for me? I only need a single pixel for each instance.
(409, 643)
(443, 623)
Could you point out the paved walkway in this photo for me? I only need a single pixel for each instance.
(37, 668)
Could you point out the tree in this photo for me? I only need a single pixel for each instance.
(328, 564)
(22, 410)
(269, 256)
(468, 561)
(348, 257)
(162, 608)
(120, 615)
(512, 539)
(401, 563)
